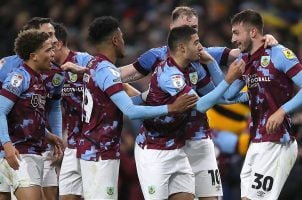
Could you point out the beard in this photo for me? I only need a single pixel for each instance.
(246, 45)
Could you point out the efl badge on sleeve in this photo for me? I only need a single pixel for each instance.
(178, 81)
(288, 54)
(193, 77)
(265, 60)
(72, 77)
(16, 80)
(57, 79)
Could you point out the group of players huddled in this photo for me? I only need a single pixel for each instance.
(61, 111)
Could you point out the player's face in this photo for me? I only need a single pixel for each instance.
(48, 28)
(193, 48)
(185, 20)
(45, 55)
(241, 37)
(120, 44)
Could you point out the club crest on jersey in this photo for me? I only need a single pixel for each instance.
(57, 79)
(178, 81)
(16, 80)
(288, 53)
(265, 60)
(193, 77)
(72, 77)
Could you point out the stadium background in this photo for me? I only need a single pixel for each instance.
(145, 25)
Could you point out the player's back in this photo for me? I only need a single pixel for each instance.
(102, 119)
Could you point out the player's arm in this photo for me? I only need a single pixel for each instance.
(54, 117)
(106, 79)
(129, 73)
(288, 63)
(209, 100)
(74, 68)
(130, 90)
(13, 86)
(141, 67)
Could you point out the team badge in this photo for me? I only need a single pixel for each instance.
(193, 77)
(16, 80)
(151, 189)
(178, 81)
(72, 77)
(288, 54)
(57, 79)
(265, 60)
(110, 191)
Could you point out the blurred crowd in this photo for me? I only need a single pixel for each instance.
(145, 24)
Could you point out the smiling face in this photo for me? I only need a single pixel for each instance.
(192, 48)
(44, 55)
(241, 37)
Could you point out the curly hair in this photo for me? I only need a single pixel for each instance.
(28, 42)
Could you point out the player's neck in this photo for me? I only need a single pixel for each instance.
(257, 43)
(108, 52)
(33, 66)
(64, 54)
(180, 61)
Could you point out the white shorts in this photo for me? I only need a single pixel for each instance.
(266, 168)
(30, 172)
(50, 178)
(4, 187)
(70, 178)
(100, 179)
(201, 155)
(163, 172)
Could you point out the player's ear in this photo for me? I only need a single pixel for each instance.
(181, 47)
(33, 56)
(59, 45)
(253, 32)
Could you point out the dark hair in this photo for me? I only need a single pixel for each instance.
(36, 22)
(61, 32)
(180, 34)
(183, 11)
(249, 17)
(28, 42)
(102, 27)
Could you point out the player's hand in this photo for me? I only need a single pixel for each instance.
(11, 155)
(269, 40)
(57, 147)
(235, 70)
(183, 103)
(69, 66)
(275, 120)
(205, 57)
